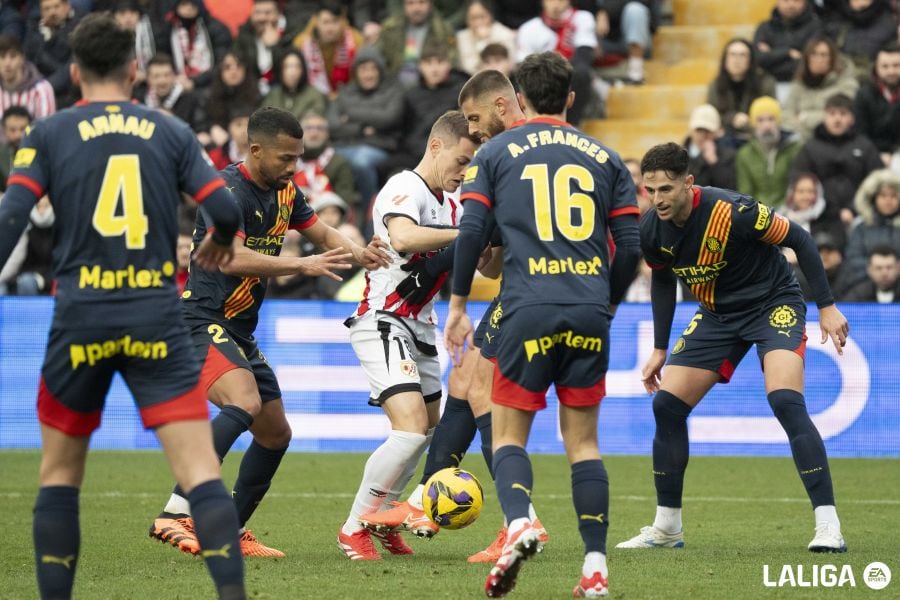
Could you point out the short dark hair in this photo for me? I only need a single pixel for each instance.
(494, 50)
(101, 48)
(883, 250)
(331, 6)
(9, 43)
(670, 157)
(16, 111)
(452, 126)
(839, 100)
(484, 82)
(161, 59)
(269, 121)
(891, 47)
(438, 51)
(545, 80)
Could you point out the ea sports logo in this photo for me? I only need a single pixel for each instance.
(877, 575)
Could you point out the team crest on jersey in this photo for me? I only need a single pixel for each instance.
(471, 174)
(714, 245)
(284, 212)
(409, 368)
(496, 316)
(24, 158)
(679, 346)
(783, 317)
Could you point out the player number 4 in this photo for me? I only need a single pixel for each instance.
(122, 180)
(565, 201)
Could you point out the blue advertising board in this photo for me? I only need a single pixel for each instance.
(854, 399)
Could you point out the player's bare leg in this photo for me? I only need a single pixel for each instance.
(680, 391)
(784, 388)
(513, 478)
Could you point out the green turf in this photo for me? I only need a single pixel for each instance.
(740, 514)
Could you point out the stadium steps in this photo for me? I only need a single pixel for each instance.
(671, 101)
(632, 137)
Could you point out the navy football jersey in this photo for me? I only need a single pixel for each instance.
(726, 253)
(113, 172)
(266, 215)
(553, 191)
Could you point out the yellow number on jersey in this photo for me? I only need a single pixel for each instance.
(565, 201)
(122, 179)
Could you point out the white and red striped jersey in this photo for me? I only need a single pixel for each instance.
(406, 195)
(38, 99)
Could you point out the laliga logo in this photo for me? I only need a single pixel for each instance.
(876, 575)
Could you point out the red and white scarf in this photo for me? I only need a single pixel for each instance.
(311, 177)
(564, 28)
(191, 48)
(317, 72)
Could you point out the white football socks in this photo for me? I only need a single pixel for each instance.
(415, 498)
(383, 469)
(668, 520)
(593, 562)
(827, 514)
(178, 505)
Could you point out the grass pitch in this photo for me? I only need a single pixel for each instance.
(740, 514)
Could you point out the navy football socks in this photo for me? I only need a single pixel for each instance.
(216, 523)
(487, 438)
(254, 478)
(806, 445)
(670, 448)
(452, 437)
(514, 479)
(590, 494)
(57, 538)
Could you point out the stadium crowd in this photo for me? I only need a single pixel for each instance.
(805, 117)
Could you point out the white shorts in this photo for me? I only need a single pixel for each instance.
(397, 356)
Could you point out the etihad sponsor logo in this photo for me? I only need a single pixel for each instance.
(90, 354)
(544, 343)
(129, 277)
(116, 123)
(265, 244)
(762, 219)
(558, 266)
(557, 135)
(700, 273)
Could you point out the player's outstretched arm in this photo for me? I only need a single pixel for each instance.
(371, 257)
(407, 236)
(14, 210)
(248, 263)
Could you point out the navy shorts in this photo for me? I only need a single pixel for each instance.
(487, 334)
(157, 362)
(222, 349)
(718, 342)
(543, 344)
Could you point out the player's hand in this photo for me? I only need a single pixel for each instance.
(417, 285)
(457, 333)
(374, 255)
(651, 374)
(209, 256)
(834, 325)
(324, 265)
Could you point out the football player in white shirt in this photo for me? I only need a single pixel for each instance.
(417, 213)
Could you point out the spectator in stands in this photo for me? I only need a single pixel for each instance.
(129, 14)
(365, 121)
(514, 13)
(321, 169)
(823, 72)
(329, 45)
(11, 21)
(28, 271)
(21, 84)
(436, 92)
(183, 249)
(643, 196)
(862, 28)
(739, 82)
(237, 145)
(195, 41)
(481, 31)
(292, 90)
(781, 39)
(805, 203)
(231, 85)
(877, 106)
(839, 156)
(403, 37)
(165, 92)
(262, 39)
(763, 164)
(571, 33)
(367, 16)
(831, 251)
(878, 206)
(625, 28)
(711, 159)
(498, 58)
(47, 46)
(15, 120)
(882, 284)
